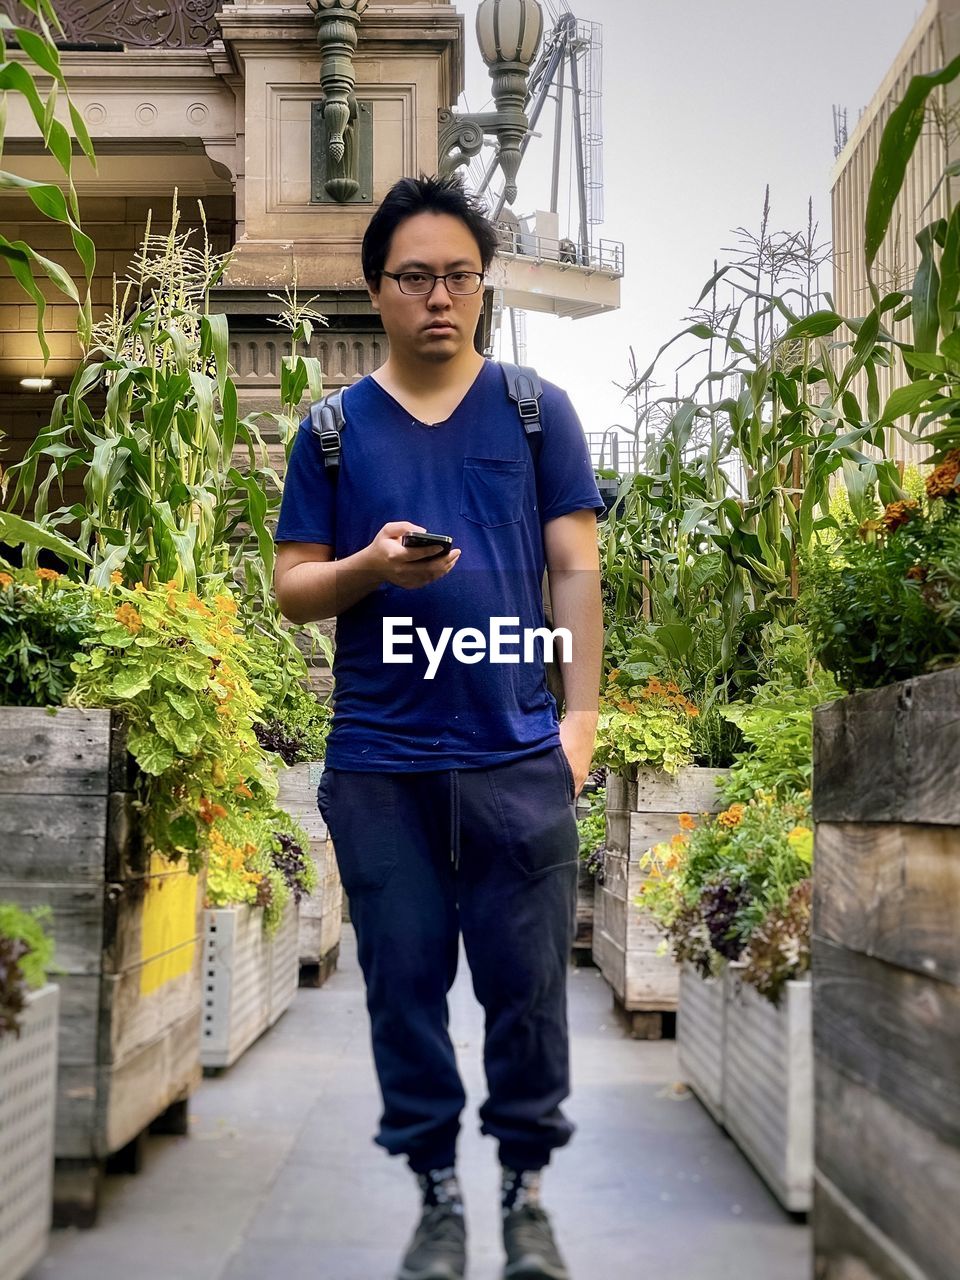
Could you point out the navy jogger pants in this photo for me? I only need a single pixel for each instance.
(491, 853)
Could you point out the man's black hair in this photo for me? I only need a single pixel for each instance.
(411, 196)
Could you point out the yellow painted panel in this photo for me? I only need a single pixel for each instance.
(169, 924)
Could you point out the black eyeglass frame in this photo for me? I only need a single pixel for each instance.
(398, 276)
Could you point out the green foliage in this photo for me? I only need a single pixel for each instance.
(779, 948)
(30, 928)
(43, 621)
(26, 957)
(882, 600)
(718, 881)
(777, 725)
(41, 58)
(643, 725)
(176, 666)
(592, 829)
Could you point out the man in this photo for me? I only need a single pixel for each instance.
(449, 787)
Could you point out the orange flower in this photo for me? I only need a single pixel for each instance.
(944, 480)
(5, 580)
(687, 822)
(243, 790)
(226, 603)
(673, 688)
(116, 577)
(128, 616)
(897, 514)
(918, 573)
(172, 585)
(196, 604)
(692, 710)
(731, 817)
(47, 575)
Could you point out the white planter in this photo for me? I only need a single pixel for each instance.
(321, 911)
(701, 1039)
(284, 963)
(248, 979)
(768, 1085)
(28, 1093)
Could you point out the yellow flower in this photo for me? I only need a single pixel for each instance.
(225, 603)
(687, 822)
(5, 579)
(116, 577)
(139, 588)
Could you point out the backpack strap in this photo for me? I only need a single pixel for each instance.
(326, 423)
(524, 389)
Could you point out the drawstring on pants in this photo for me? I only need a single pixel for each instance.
(455, 819)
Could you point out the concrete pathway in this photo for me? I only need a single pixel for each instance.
(279, 1177)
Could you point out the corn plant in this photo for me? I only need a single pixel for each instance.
(40, 54)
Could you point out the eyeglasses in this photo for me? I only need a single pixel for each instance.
(420, 283)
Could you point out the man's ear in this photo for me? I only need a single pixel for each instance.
(374, 295)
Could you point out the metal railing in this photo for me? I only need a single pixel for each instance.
(606, 256)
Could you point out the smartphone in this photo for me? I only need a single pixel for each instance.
(443, 540)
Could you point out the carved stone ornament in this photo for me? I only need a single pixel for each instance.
(338, 23)
(139, 24)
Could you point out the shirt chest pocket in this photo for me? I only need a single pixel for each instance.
(492, 490)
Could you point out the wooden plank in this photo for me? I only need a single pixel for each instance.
(46, 755)
(903, 1178)
(848, 1246)
(897, 1032)
(59, 842)
(76, 1111)
(142, 1087)
(890, 755)
(892, 892)
(79, 1019)
(691, 790)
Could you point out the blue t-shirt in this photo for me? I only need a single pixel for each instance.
(471, 476)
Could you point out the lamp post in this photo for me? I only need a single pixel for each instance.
(508, 32)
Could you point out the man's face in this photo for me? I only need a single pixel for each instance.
(439, 325)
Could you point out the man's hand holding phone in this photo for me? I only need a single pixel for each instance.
(406, 555)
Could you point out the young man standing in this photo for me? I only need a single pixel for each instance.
(450, 787)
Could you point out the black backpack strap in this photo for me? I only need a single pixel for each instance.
(524, 389)
(326, 423)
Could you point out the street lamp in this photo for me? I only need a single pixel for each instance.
(508, 32)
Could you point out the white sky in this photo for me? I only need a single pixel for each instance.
(704, 103)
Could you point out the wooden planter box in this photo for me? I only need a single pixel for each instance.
(321, 911)
(768, 1085)
(701, 1040)
(640, 813)
(249, 979)
(886, 982)
(127, 933)
(28, 1095)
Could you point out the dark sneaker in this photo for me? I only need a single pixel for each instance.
(438, 1250)
(532, 1252)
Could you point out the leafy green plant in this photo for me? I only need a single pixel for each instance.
(41, 57)
(43, 622)
(779, 948)
(250, 863)
(882, 599)
(26, 958)
(592, 829)
(718, 879)
(643, 725)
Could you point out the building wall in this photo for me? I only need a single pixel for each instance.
(934, 41)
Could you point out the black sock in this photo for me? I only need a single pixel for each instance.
(519, 1189)
(441, 1186)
